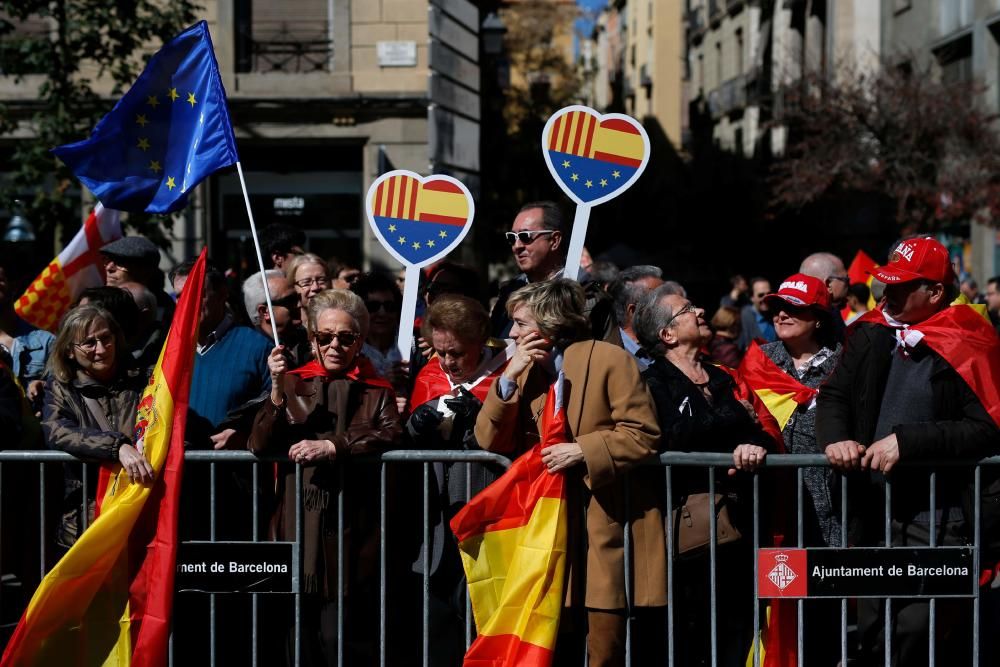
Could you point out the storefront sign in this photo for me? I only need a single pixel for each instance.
(235, 567)
(876, 572)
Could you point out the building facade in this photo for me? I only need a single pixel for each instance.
(325, 95)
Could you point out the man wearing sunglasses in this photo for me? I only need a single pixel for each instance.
(536, 241)
(285, 303)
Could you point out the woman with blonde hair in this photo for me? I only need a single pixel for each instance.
(90, 403)
(310, 275)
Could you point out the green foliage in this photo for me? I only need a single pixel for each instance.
(69, 50)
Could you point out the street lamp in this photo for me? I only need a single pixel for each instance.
(492, 31)
(19, 229)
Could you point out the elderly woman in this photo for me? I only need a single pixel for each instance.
(310, 275)
(447, 395)
(611, 429)
(89, 408)
(319, 415)
(699, 411)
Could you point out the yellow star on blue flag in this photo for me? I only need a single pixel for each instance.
(195, 138)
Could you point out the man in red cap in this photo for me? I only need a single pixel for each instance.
(918, 381)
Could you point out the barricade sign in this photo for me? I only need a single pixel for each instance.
(866, 573)
(235, 567)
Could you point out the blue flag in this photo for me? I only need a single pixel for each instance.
(167, 133)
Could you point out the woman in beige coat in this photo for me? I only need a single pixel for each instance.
(612, 428)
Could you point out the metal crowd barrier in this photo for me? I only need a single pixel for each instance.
(669, 460)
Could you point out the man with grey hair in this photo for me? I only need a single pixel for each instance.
(830, 269)
(280, 290)
(627, 291)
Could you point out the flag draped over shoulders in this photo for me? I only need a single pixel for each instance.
(166, 134)
(512, 538)
(965, 340)
(779, 392)
(109, 600)
(76, 268)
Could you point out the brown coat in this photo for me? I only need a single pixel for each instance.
(358, 419)
(611, 415)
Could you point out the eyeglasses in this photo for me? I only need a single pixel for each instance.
(89, 345)
(844, 279)
(528, 237)
(319, 281)
(346, 338)
(683, 311)
(375, 306)
(350, 278)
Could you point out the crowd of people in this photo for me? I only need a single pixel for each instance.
(638, 369)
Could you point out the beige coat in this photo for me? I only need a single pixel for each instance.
(611, 415)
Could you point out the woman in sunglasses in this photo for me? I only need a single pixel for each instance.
(795, 365)
(333, 408)
(89, 408)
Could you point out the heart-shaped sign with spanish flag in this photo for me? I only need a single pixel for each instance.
(419, 220)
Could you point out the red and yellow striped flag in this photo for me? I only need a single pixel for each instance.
(77, 267)
(108, 601)
(512, 537)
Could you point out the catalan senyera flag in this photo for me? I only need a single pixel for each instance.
(108, 601)
(778, 391)
(77, 267)
(592, 156)
(417, 218)
(512, 537)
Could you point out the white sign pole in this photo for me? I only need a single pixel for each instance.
(576, 241)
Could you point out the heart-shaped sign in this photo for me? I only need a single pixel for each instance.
(594, 157)
(419, 220)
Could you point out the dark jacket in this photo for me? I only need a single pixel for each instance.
(691, 424)
(848, 408)
(359, 419)
(68, 425)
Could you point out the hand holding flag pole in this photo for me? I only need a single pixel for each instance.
(418, 220)
(593, 158)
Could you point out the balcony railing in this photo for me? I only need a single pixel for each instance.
(284, 46)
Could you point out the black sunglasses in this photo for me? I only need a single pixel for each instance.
(528, 237)
(388, 306)
(346, 338)
(291, 302)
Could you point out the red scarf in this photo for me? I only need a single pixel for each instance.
(361, 371)
(966, 341)
(432, 382)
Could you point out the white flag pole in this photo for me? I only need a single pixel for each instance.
(577, 240)
(260, 258)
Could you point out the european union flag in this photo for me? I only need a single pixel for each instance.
(167, 133)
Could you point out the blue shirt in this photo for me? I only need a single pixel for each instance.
(227, 374)
(638, 352)
(29, 354)
(766, 324)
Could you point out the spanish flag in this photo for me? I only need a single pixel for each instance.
(108, 601)
(860, 272)
(778, 391)
(512, 537)
(77, 267)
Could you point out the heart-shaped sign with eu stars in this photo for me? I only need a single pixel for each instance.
(593, 157)
(418, 220)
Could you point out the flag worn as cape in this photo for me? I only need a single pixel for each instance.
(966, 341)
(512, 537)
(167, 133)
(432, 382)
(77, 267)
(778, 391)
(109, 600)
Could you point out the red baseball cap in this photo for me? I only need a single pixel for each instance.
(917, 259)
(803, 291)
